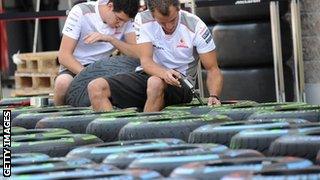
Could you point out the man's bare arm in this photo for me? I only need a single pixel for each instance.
(128, 47)
(66, 57)
(214, 76)
(149, 66)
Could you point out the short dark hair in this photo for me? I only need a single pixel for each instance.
(162, 5)
(129, 7)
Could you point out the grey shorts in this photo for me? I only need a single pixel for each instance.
(67, 71)
(129, 90)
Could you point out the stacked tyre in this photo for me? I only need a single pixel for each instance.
(244, 50)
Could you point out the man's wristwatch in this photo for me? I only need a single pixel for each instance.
(215, 96)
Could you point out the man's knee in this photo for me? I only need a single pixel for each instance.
(98, 86)
(62, 82)
(155, 85)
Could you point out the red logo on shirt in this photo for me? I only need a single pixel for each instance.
(117, 31)
(182, 44)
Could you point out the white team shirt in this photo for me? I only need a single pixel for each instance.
(84, 19)
(175, 51)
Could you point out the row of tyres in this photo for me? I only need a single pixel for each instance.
(53, 142)
(151, 159)
(175, 122)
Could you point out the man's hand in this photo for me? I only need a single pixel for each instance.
(172, 77)
(213, 101)
(96, 37)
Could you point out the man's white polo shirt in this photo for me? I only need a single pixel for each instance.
(176, 51)
(84, 19)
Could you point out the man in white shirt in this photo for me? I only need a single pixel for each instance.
(167, 39)
(91, 32)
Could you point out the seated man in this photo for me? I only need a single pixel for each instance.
(91, 32)
(167, 38)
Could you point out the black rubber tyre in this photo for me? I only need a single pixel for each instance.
(241, 83)
(98, 152)
(54, 146)
(14, 112)
(310, 115)
(29, 120)
(244, 12)
(122, 160)
(49, 165)
(238, 114)
(260, 139)
(78, 123)
(296, 107)
(179, 128)
(304, 146)
(196, 104)
(195, 109)
(243, 113)
(306, 173)
(222, 133)
(75, 124)
(166, 164)
(77, 94)
(108, 129)
(29, 109)
(15, 131)
(204, 14)
(251, 44)
(215, 170)
(38, 134)
(26, 158)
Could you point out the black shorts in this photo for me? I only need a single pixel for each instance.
(130, 90)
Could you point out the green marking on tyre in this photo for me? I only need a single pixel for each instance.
(175, 120)
(136, 123)
(89, 137)
(15, 144)
(68, 140)
(105, 119)
(141, 118)
(27, 135)
(177, 108)
(217, 117)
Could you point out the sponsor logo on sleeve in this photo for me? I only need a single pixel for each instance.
(207, 36)
(137, 30)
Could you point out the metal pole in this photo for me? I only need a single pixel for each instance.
(277, 51)
(70, 4)
(36, 29)
(298, 55)
(200, 80)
